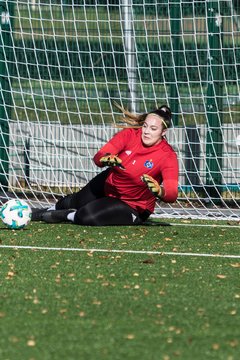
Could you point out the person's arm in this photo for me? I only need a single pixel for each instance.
(168, 190)
(170, 180)
(106, 150)
(112, 147)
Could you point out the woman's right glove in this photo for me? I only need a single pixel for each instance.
(111, 160)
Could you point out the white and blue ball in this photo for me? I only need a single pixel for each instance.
(16, 214)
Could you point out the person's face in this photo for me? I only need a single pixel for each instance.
(152, 130)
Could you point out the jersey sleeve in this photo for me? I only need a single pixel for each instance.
(170, 179)
(113, 146)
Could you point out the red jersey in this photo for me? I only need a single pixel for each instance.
(158, 161)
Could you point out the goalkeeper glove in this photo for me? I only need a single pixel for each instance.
(111, 160)
(153, 185)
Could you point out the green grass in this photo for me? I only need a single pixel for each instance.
(40, 105)
(105, 305)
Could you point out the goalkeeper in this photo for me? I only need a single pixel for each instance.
(142, 168)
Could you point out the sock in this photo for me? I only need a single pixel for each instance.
(53, 207)
(71, 216)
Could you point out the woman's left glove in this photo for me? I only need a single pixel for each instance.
(153, 185)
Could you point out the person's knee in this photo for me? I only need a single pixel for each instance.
(67, 202)
(84, 217)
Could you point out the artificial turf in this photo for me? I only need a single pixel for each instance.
(58, 304)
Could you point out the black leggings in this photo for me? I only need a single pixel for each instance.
(94, 208)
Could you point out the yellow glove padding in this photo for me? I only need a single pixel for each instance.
(111, 160)
(152, 185)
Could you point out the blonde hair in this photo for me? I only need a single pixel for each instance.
(137, 120)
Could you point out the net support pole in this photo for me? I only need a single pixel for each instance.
(175, 25)
(130, 50)
(214, 144)
(5, 93)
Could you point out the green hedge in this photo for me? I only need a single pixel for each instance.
(80, 61)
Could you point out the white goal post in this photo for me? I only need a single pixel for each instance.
(63, 62)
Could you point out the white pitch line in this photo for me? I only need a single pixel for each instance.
(145, 252)
(207, 225)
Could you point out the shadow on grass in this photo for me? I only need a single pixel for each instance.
(155, 223)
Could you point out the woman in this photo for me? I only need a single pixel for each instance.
(142, 168)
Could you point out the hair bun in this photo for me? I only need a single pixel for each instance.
(166, 109)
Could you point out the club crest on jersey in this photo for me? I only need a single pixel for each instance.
(148, 164)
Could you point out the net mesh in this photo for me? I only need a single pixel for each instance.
(63, 62)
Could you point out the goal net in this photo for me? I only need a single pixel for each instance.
(63, 62)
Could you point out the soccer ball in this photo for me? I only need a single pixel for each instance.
(16, 214)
